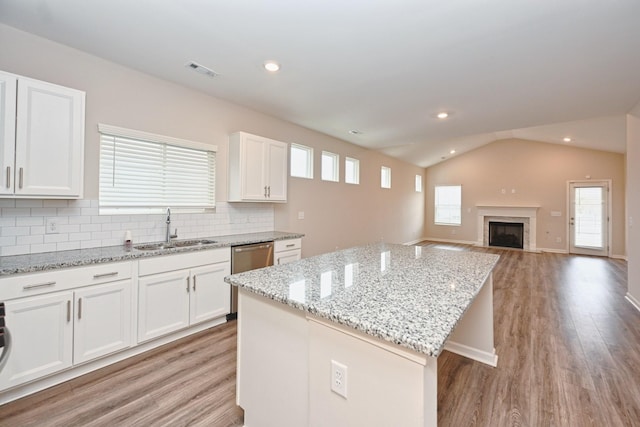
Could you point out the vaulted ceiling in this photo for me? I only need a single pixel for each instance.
(532, 69)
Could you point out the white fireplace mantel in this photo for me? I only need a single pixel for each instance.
(514, 211)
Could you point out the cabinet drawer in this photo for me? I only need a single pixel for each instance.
(29, 284)
(166, 263)
(287, 245)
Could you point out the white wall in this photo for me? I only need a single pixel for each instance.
(123, 97)
(633, 204)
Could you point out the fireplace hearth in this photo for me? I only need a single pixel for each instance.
(506, 234)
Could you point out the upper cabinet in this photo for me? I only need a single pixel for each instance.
(41, 139)
(257, 169)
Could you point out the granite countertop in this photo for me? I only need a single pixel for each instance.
(53, 260)
(408, 295)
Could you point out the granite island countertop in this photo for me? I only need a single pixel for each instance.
(409, 295)
(18, 264)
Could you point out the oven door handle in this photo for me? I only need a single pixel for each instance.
(7, 347)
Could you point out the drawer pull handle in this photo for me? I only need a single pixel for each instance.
(194, 283)
(38, 285)
(68, 311)
(188, 283)
(79, 308)
(100, 276)
(290, 245)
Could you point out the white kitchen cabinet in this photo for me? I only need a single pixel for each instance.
(177, 291)
(102, 322)
(257, 169)
(42, 336)
(42, 139)
(63, 318)
(209, 297)
(287, 251)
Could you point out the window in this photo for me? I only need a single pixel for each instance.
(146, 173)
(330, 166)
(418, 183)
(448, 204)
(301, 161)
(351, 170)
(385, 177)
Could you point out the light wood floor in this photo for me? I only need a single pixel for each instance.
(567, 340)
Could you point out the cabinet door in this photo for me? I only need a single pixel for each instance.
(49, 140)
(277, 171)
(163, 304)
(287, 257)
(42, 337)
(210, 295)
(252, 169)
(102, 320)
(8, 85)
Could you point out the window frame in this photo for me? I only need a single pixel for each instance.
(436, 205)
(309, 160)
(336, 166)
(385, 171)
(164, 162)
(356, 167)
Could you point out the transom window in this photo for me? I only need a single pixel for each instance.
(142, 172)
(330, 166)
(385, 177)
(301, 161)
(351, 170)
(448, 204)
(418, 183)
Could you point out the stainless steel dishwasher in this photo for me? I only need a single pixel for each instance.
(245, 258)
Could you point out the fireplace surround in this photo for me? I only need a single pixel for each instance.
(527, 215)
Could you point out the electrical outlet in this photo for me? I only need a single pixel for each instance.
(339, 378)
(52, 226)
(300, 214)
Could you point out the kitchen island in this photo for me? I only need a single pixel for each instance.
(352, 337)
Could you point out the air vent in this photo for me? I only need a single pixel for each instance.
(198, 68)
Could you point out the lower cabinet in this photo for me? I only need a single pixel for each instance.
(287, 251)
(173, 297)
(52, 332)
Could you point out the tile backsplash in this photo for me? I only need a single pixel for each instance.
(79, 225)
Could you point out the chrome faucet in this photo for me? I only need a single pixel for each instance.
(169, 235)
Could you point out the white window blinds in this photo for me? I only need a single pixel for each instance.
(142, 172)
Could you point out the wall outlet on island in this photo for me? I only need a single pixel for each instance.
(339, 378)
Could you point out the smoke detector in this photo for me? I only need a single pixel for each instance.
(198, 68)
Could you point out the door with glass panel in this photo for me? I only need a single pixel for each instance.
(589, 218)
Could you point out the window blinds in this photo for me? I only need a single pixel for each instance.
(139, 175)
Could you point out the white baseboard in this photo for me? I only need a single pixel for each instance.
(553, 251)
(622, 257)
(487, 358)
(461, 242)
(413, 242)
(633, 301)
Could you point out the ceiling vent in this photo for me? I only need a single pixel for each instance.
(201, 69)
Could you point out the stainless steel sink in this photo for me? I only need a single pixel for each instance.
(170, 245)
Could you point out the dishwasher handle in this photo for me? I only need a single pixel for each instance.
(252, 248)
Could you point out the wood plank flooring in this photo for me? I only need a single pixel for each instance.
(567, 340)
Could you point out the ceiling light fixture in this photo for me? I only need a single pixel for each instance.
(201, 69)
(452, 152)
(442, 115)
(355, 132)
(271, 66)
(566, 139)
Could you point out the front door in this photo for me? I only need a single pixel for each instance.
(589, 218)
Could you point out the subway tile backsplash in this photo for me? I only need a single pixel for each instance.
(79, 225)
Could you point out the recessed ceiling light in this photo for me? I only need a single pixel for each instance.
(452, 152)
(566, 139)
(355, 132)
(271, 66)
(198, 68)
(442, 115)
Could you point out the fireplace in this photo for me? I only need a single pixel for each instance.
(523, 214)
(506, 234)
